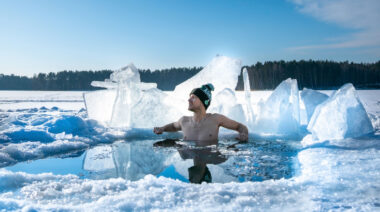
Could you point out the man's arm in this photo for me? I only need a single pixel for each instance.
(234, 125)
(172, 127)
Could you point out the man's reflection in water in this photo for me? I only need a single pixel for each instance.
(201, 155)
(134, 160)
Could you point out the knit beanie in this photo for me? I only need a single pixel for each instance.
(204, 94)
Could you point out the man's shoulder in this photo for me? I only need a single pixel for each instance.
(214, 115)
(184, 118)
(219, 118)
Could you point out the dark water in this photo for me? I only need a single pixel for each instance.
(132, 160)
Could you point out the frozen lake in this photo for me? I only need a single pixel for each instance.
(53, 157)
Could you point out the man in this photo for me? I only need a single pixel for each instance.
(202, 127)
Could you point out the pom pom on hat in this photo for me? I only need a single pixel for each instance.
(209, 86)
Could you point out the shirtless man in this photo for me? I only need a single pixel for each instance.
(202, 127)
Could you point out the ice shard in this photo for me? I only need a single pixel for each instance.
(248, 104)
(114, 105)
(342, 115)
(225, 103)
(127, 74)
(311, 99)
(99, 104)
(279, 115)
(154, 108)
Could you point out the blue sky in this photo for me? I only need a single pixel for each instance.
(51, 35)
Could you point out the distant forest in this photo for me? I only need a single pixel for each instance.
(263, 76)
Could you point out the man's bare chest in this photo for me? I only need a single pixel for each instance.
(203, 130)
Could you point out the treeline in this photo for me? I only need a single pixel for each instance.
(166, 79)
(263, 76)
(312, 74)
(64, 80)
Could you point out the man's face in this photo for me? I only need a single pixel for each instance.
(194, 103)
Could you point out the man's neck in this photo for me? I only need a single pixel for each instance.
(199, 115)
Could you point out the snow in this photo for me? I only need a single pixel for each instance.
(333, 166)
(327, 181)
(30, 134)
(342, 175)
(14, 100)
(44, 192)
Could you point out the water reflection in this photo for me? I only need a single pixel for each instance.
(199, 172)
(133, 160)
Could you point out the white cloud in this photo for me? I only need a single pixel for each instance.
(363, 16)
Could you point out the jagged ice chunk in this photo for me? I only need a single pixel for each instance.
(342, 115)
(279, 114)
(311, 99)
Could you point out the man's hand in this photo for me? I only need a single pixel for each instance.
(242, 137)
(158, 130)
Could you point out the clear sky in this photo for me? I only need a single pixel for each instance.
(55, 35)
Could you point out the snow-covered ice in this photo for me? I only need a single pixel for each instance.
(328, 179)
(338, 176)
(82, 161)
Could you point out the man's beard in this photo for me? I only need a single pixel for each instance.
(191, 108)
